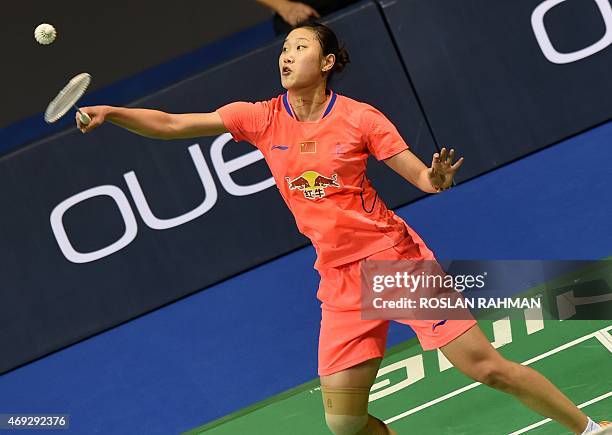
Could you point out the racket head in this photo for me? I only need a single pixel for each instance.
(67, 97)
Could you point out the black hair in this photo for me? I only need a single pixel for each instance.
(329, 45)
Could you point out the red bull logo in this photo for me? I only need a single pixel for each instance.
(312, 184)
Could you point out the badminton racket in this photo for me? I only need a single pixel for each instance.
(67, 98)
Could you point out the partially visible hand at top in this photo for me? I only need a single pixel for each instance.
(295, 12)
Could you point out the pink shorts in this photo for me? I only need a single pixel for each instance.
(346, 339)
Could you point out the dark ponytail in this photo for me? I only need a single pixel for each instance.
(342, 59)
(329, 45)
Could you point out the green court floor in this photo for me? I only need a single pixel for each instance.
(417, 390)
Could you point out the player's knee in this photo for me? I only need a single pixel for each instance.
(346, 424)
(494, 373)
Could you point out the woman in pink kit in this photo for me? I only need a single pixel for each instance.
(316, 144)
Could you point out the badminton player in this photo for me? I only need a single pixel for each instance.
(316, 144)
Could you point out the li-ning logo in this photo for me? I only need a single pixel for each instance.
(433, 328)
(280, 147)
(312, 184)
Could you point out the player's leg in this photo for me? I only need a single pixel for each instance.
(350, 347)
(472, 354)
(350, 351)
(345, 400)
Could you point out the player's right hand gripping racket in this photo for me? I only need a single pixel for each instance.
(67, 98)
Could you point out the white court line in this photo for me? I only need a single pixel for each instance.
(582, 405)
(475, 384)
(605, 339)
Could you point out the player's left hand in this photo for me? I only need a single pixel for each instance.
(443, 170)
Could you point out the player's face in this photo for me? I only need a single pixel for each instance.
(301, 60)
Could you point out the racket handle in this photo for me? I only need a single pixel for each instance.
(85, 119)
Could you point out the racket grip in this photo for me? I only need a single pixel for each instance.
(85, 119)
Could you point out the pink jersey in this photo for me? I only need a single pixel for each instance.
(320, 170)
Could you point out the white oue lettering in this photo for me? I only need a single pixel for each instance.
(210, 192)
(224, 169)
(131, 228)
(537, 23)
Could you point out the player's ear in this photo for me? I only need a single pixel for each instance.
(328, 62)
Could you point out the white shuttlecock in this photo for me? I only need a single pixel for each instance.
(45, 34)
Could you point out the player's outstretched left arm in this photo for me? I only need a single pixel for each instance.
(434, 179)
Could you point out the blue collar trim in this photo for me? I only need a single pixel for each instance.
(330, 105)
(287, 105)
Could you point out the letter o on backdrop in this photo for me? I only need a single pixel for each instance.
(551, 53)
(131, 227)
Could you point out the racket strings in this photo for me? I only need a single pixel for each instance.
(67, 97)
